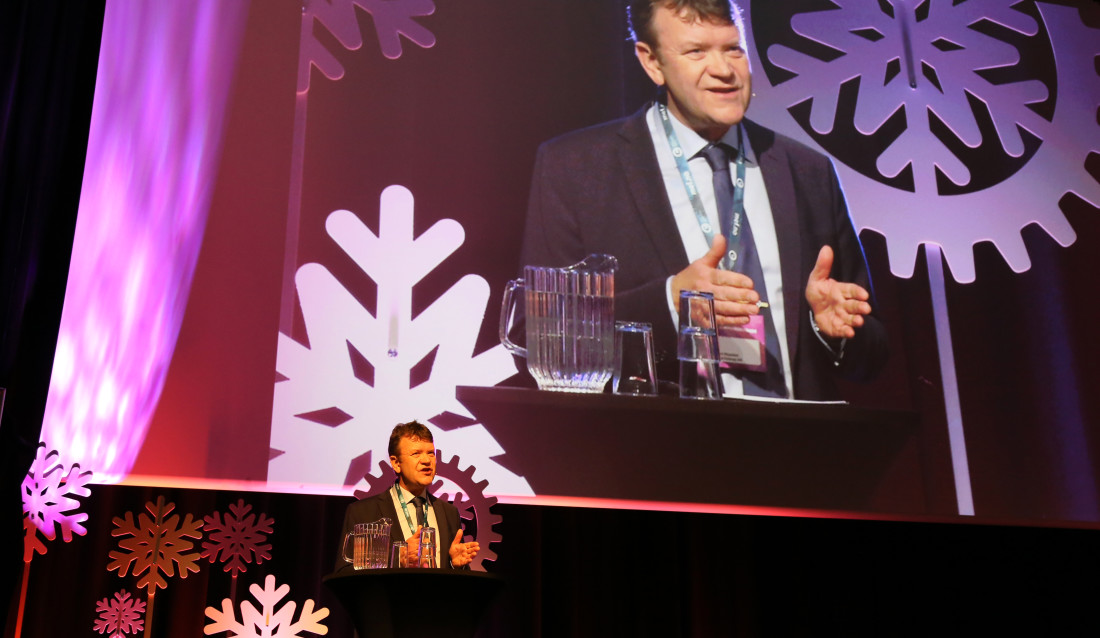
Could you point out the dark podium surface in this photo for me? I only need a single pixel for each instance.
(385, 603)
(728, 452)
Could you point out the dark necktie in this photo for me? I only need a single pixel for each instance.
(770, 382)
(418, 505)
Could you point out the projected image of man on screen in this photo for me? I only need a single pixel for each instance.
(690, 195)
(409, 504)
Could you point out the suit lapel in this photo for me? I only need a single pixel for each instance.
(647, 188)
(779, 183)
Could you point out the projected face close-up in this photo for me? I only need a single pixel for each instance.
(296, 227)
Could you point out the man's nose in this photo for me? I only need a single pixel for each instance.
(719, 66)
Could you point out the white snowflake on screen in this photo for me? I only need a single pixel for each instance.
(938, 40)
(393, 19)
(341, 395)
(49, 492)
(121, 615)
(269, 620)
(955, 49)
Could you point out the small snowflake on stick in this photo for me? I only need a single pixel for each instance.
(155, 545)
(121, 616)
(268, 620)
(237, 537)
(48, 501)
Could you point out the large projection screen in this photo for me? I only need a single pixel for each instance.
(296, 224)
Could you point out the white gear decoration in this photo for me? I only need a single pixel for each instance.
(953, 222)
(321, 377)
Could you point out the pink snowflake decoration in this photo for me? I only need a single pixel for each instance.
(48, 501)
(120, 616)
(237, 538)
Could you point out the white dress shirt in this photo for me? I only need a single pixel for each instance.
(757, 209)
(406, 531)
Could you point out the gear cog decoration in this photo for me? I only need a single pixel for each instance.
(952, 123)
(463, 491)
(472, 504)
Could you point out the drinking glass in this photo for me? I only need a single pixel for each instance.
(697, 347)
(635, 372)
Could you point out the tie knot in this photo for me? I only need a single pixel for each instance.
(718, 156)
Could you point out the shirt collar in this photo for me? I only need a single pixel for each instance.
(693, 143)
(407, 495)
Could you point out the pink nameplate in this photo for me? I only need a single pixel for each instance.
(742, 347)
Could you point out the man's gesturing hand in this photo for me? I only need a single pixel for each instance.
(462, 553)
(838, 307)
(734, 297)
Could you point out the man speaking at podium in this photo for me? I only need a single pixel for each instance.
(688, 195)
(409, 504)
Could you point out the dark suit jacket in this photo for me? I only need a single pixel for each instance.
(372, 508)
(599, 190)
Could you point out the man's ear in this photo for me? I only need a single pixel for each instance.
(395, 465)
(647, 57)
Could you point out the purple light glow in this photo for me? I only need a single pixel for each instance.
(164, 78)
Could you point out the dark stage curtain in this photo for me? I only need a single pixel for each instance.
(48, 56)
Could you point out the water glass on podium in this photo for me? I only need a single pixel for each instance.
(426, 556)
(399, 554)
(635, 372)
(697, 347)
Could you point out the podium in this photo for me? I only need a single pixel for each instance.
(395, 603)
(826, 456)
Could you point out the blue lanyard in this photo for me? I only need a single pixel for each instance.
(733, 239)
(405, 509)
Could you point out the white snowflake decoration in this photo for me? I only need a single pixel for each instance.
(120, 616)
(48, 501)
(945, 40)
(269, 620)
(392, 20)
(321, 377)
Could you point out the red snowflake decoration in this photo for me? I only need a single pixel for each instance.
(155, 545)
(237, 538)
(48, 501)
(121, 616)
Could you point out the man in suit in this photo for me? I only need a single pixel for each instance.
(409, 504)
(641, 189)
